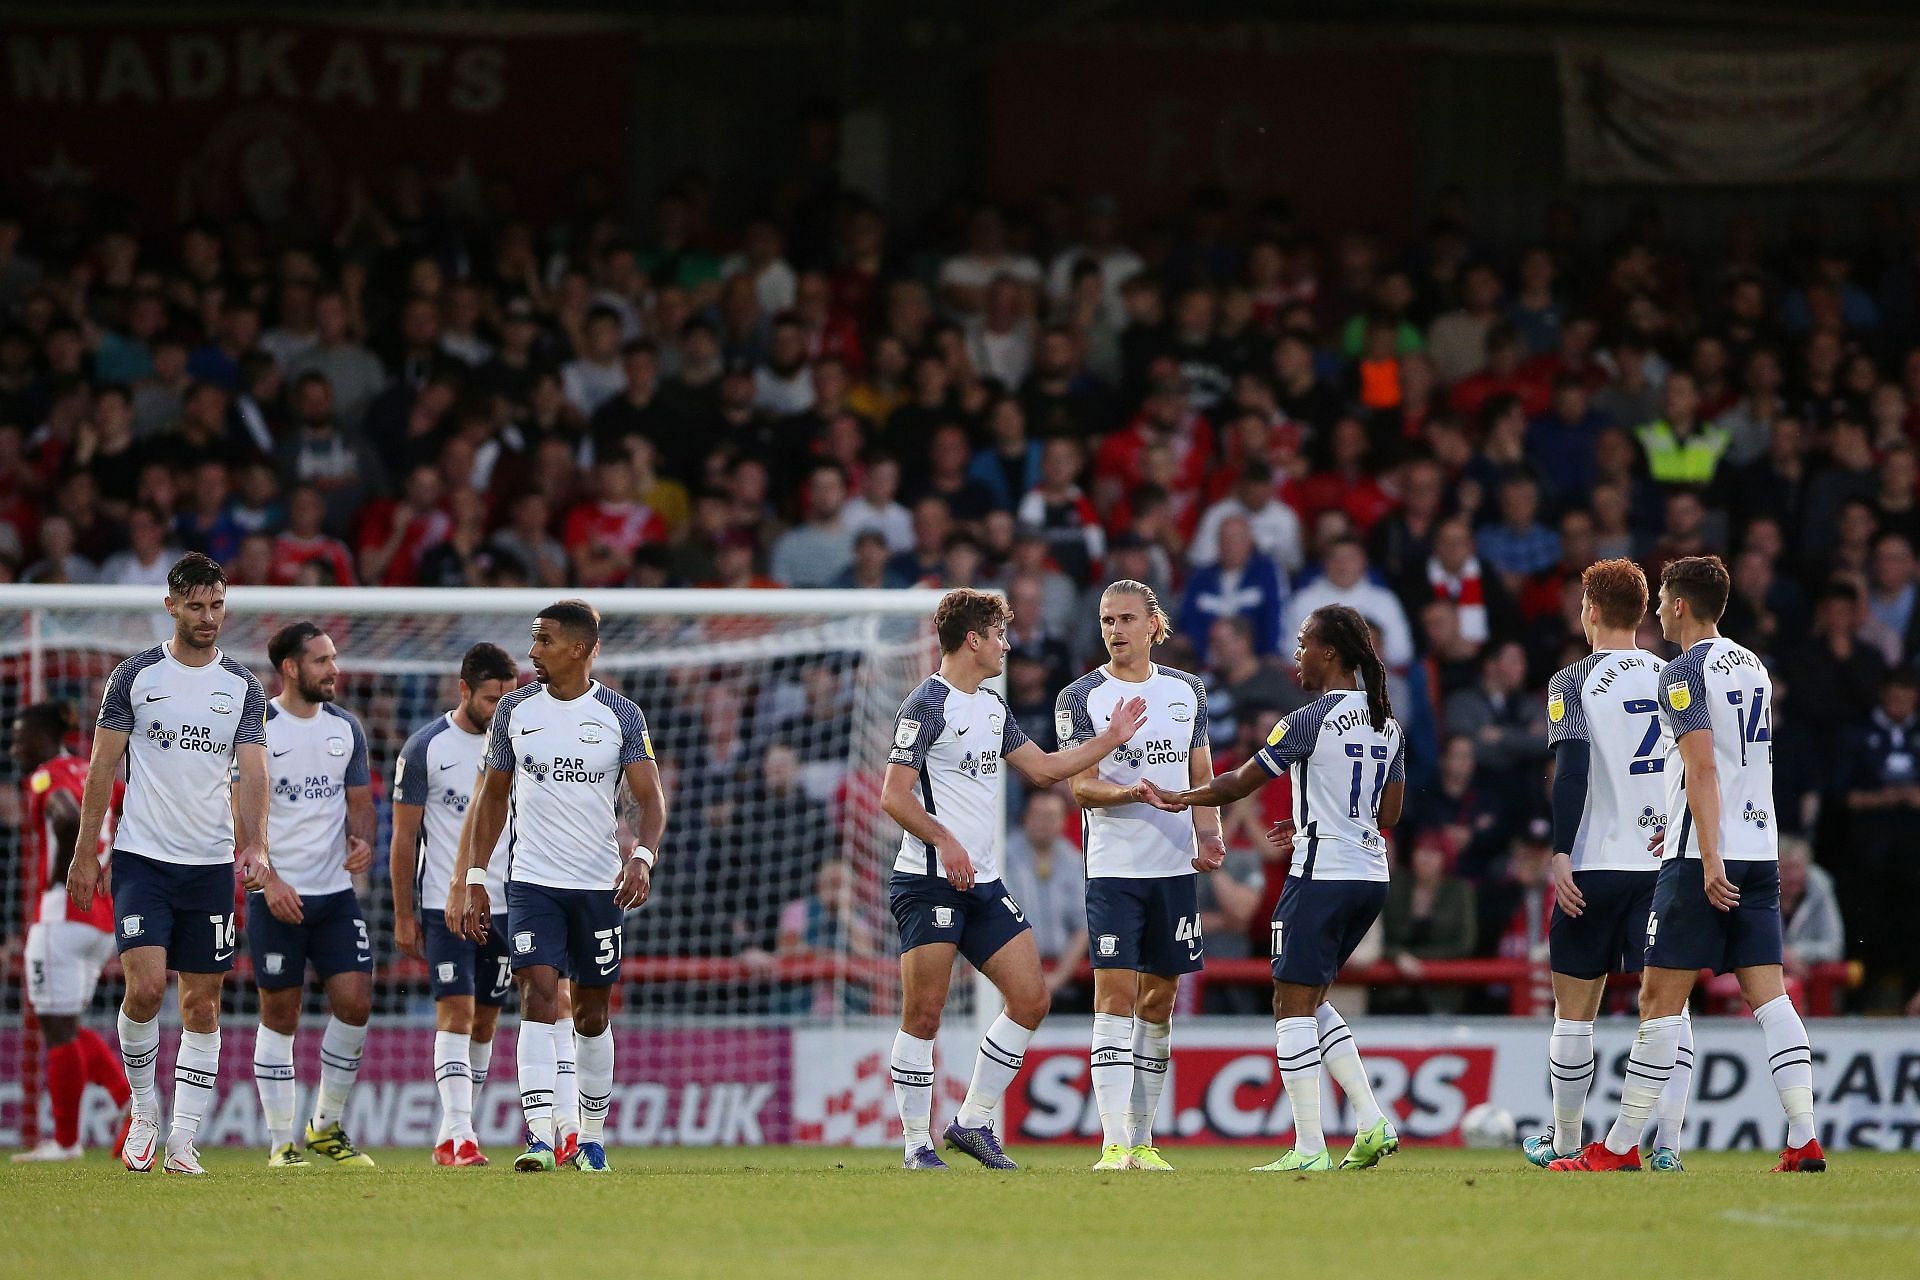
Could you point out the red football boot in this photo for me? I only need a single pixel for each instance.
(443, 1152)
(120, 1138)
(467, 1154)
(1806, 1159)
(565, 1150)
(1595, 1158)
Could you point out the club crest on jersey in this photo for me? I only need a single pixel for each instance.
(220, 702)
(523, 942)
(336, 746)
(943, 917)
(445, 970)
(1678, 696)
(133, 926)
(1181, 713)
(1109, 946)
(276, 963)
(1556, 709)
(905, 732)
(993, 725)
(591, 733)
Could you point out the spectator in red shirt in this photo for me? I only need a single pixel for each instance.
(1058, 507)
(602, 533)
(1346, 485)
(1503, 375)
(303, 542)
(393, 532)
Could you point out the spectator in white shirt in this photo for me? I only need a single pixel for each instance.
(762, 258)
(1346, 582)
(783, 386)
(965, 276)
(1117, 263)
(877, 506)
(1000, 340)
(597, 374)
(1275, 527)
(815, 553)
(147, 558)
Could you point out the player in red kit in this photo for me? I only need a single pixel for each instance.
(67, 946)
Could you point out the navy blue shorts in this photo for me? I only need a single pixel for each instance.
(1148, 926)
(1318, 923)
(331, 936)
(186, 909)
(574, 931)
(1610, 935)
(1685, 931)
(457, 967)
(980, 921)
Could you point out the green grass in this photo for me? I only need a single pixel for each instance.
(810, 1212)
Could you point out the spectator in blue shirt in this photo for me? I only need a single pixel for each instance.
(1242, 584)
(1519, 546)
(1009, 466)
(1560, 441)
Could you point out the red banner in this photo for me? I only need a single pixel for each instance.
(275, 118)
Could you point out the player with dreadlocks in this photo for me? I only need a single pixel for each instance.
(1347, 757)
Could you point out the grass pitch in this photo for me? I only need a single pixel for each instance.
(811, 1212)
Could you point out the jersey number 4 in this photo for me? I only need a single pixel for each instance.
(1359, 753)
(1644, 759)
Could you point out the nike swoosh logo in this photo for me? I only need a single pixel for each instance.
(525, 732)
(155, 697)
(610, 968)
(961, 733)
(227, 956)
(278, 754)
(445, 767)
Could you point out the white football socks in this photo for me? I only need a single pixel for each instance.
(596, 1083)
(1002, 1051)
(453, 1077)
(340, 1049)
(1570, 1063)
(273, 1075)
(480, 1058)
(1341, 1056)
(1113, 1075)
(1791, 1059)
(139, 1048)
(1297, 1047)
(1152, 1046)
(1670, 1113)
(195, 1072)
(566, 1079)
(1649, 1067)
(533, 1050)
(912, 1065)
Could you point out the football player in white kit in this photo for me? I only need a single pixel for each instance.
(1143, 912)
(323, 825)
(433, 783)
(1716, 902)
(946, 787)
(1609, 795)
(1347, 757)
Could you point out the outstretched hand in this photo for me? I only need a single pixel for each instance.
(1144, 792)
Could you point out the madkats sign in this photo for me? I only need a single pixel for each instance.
(694, 1088)
(1223, 1085)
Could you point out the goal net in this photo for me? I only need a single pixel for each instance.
(770, 713)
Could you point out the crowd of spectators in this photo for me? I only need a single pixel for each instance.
(1254, 416)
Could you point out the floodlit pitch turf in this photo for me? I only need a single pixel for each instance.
(800, 1213)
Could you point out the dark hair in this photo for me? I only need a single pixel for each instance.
(1341, 628)
(575, 616)
(191, 570)
(290, 641)
(964, 611)
(55, 719)
(1702, 582)
(486, 662)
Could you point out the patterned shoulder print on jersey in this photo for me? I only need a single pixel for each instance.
(922, 718)
(116, 706)
(410, 769)
(499, 756)
(1012, 736)
(1293, 738)
(1566, 707)
(1072, 722)
(253, 711)
(1683, 691)
(1199, 703)
(635, 744)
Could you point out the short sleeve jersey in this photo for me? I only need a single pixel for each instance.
(1610, 701)
(1138, 841)
(567, 758)
(63, 773)
(185, 726)
(956, 742)
(1722, 687)
(1340, 764)
(311, 761)
(438, 770)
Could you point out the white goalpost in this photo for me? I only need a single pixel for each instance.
(768, 940)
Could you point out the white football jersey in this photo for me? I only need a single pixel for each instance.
(311, 761)
(186, 724)
(438, 770)
(1610, 700)
(1138, 841)
(567, 759)
(1720, 686)
(1340, 765)
(957, 742)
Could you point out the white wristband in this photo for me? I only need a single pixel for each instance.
(476, 875)
(645, 855)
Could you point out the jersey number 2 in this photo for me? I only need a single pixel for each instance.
(1644, 761)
